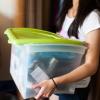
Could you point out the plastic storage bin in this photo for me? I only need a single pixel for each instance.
(37, 55)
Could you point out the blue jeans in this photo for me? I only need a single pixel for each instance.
(68, 97)
(80, 94)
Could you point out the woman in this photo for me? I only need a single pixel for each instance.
(78, 19)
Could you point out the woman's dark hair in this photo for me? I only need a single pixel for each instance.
(98, 4)
(84, 9)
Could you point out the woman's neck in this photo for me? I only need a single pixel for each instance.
(73, 11)
(75, 4)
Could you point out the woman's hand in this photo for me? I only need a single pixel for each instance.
(47, 87)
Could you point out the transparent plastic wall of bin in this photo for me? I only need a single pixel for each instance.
(34, 62)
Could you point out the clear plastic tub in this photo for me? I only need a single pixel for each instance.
(32, 62)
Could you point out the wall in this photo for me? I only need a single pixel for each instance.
(7, 13)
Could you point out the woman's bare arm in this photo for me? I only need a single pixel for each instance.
(87, 69)
(91, 61)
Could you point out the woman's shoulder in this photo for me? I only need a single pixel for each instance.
(93, 17)
(91, 22)
(96, 11)
(94, 14)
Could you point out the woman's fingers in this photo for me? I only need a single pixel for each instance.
(46, 89)
(40, 94)
(49, 93)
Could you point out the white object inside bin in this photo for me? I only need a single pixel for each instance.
(39, 75)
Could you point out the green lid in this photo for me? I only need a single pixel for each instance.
(21, 36)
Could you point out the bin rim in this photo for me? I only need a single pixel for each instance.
(44, 37)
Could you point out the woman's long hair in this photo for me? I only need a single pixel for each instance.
(84, 9)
